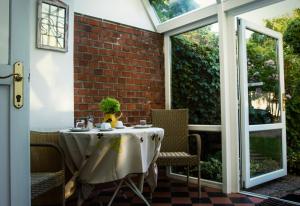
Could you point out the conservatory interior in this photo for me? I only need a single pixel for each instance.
(149, 102)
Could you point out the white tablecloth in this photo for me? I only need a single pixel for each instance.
(108, 156)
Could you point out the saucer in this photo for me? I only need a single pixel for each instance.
(120, 127)
(139, 126)
(79, 130)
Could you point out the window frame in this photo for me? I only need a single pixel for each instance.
(168, 92)
(56, 3)
(225, 11)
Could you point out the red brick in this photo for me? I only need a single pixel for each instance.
(93, 22)
(83, 107)
(115, 60)
(108, 25)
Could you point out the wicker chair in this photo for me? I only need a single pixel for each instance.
(47, 169)
(175, 148)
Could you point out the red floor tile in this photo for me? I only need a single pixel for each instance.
(220, 200)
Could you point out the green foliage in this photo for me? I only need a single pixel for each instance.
(266, 147)
(293, 132)
(109, 105)
(166, 9)
(212, 168)
(294, 161)
(263, 68)
(259, 167)
(196, 75)
(292, 35)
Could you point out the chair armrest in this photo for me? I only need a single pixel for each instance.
(198, 142)
(54, 147)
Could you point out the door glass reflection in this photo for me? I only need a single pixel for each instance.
(265, 152)
(263, 79)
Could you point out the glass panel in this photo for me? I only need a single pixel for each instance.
(62, 13)
(265, 152)
(196, 74)
(168, 9)
(211, 155)
(4, 31)
(54, 10)
(263, 79)
(46, 8)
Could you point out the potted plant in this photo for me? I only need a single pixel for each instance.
(110, 107)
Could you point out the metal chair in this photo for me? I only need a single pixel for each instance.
(175, 148)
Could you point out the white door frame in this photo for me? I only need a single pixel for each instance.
(225, 12)
(16, 132)
(245, 127)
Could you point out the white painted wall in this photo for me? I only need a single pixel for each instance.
(51, 85)
(129, 12)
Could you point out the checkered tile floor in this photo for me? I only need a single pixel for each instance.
(172, 193)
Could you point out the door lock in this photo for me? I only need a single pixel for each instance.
(18, 85)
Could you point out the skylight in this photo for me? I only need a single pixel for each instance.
(168, 9)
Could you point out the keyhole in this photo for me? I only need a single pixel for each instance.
(18, 98)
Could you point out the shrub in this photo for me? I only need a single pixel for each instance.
(292, 35)
(109, 105)
(212, 168)
(196, 76)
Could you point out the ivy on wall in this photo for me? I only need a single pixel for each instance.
(196, 75)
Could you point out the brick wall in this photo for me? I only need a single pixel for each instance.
(116, 60)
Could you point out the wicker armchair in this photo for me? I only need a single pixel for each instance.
(175, 148)
(47, 169)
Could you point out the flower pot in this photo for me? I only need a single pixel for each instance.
(112, 118)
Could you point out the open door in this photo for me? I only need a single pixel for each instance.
(14, 103)
(262, 105)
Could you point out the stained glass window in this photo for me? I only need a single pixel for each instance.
(52, 31)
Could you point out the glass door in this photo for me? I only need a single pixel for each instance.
(262, 105)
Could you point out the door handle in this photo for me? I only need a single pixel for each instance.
(283, 101)
(16, 76)
(18, 85)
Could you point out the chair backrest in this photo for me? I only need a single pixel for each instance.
(44, 159)
(175, 124)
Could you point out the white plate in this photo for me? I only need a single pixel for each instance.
(79, 129)
(142, 126)
(106, 130)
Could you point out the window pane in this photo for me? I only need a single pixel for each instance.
(211, 156)
(45, 8)
(168, 9)
(265, 152)
(4, 31)
(263, 79)
(196, 74)
(61, 13)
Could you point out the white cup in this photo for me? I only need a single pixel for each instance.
(143, 122)
(119, 124)
(105, 125)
